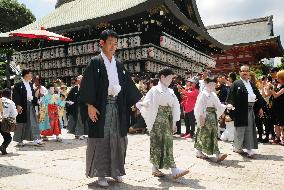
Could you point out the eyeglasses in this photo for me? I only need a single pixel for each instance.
(243, 71)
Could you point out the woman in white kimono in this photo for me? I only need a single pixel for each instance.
(207, 109)
(161, 110)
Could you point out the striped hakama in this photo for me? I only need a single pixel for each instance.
(30, 130)
(246, 137)
(106, 156)
(81, 127)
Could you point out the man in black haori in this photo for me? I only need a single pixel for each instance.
(108, 91)
(25, 100)
(244, 96)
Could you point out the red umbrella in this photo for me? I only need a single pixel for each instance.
(41, 34)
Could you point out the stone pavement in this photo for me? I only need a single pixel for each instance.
(62, 165)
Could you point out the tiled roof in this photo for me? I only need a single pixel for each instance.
(61, 2)
(243, 31)
(74, 14)
(81, 10)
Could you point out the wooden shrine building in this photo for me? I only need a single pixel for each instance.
(250, 41)
(152, 34)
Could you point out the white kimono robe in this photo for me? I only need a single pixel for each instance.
(207, 99)
(159, 95)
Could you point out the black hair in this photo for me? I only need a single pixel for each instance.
(233, 76)
(25, 72)
(136, 80)
(62, 95)
(178, 77)
(49, 85)
(108, 33)
(6, 93)
(274, 70)
(210, 79)
(154, 81)
(269, 78)
(166, 72)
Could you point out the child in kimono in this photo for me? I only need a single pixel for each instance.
(51, 114)
(207, 109)
(161, 110)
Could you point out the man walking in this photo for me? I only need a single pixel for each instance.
(109, 92)
(25, 100)
(244, 96)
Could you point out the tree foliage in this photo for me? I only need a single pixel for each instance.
(14, 15)
(258, 72)
(281, 66)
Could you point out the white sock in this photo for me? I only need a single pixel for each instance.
(217, 155)
(154, 168)
(250, 152)
(199, 152)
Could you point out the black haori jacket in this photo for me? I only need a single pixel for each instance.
(73, 96)
(20, 98)
(238, 97)
(94, 91)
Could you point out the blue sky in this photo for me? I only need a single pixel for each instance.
(39, 8)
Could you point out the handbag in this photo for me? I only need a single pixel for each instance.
(8, 124)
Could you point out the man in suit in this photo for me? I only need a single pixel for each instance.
(244, 96)
(109, 92)
(25, 100)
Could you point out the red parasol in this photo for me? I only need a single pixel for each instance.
(41, 34)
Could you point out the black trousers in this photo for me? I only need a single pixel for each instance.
(267, 122)
(7, 138)
(178, 123)
(189, 120)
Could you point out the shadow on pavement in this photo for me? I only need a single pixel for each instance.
(167, 182)
(9, 155)
(228, 163)
(119, 186)
(268, 157)
(52, 145)
(7, 171)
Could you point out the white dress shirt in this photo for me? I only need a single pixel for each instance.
(159, 95)
(9, 108)
(251, 95)
(113, 87)
(207, 99)
(29, 90)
